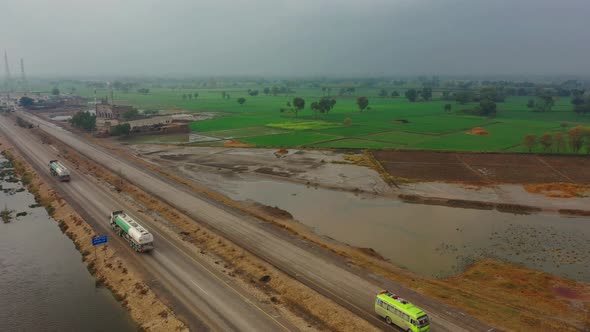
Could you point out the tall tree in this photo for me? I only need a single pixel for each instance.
(448, 107)
(530, 103)
(530, 141)
(583, 107)
(394, 94)
(362, 103)
(315, 107)
(298, 104)
(411, 94)
(55, 91)
(223, 94)
(426, 93)
(577, 96)
(487, 107)
(84, 120)
(383, 93)
(241, 100)
(559, 141)
(26, 102)
(576, 137)
(195, 95)
(266, 91)
(546, 102)
(546, 141)
(326, 104)
(275, 90)
(463, 97)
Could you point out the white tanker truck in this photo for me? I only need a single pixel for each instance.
(58, 169)
(138, 237)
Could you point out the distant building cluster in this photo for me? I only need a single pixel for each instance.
(109, 115)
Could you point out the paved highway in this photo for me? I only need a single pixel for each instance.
(309, 264)
(208, 299)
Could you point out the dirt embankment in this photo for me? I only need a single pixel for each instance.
(515, 304)
(305, 307)
(109, 269)
(468, 204)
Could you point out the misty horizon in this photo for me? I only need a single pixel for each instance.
(263, 38)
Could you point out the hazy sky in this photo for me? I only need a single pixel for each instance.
(296, 37)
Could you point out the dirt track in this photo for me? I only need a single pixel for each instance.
(485, 168)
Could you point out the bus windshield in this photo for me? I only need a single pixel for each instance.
(423, 321)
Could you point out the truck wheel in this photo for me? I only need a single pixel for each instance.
(388, 320)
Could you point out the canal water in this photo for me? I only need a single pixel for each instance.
(44, 286)
(430, 240)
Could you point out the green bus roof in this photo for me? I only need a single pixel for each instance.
(407, 308)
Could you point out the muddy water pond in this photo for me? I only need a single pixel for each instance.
(430, 240)
(44, 286)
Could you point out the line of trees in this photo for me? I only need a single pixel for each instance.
(425, 94)
(383, 93)
(578, 138)
(190, 96)
(26, 102)
(275, 90)
(324, 105)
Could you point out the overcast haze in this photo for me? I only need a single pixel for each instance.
(297, 37)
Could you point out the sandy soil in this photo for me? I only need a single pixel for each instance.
(315, 167)
(110, 270)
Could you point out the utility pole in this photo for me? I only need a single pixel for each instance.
(111, 93)
(23, 78)
(7, 72)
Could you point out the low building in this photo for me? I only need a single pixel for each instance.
(108, 115)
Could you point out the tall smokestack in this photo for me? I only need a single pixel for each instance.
(23, 78)
(7, 72)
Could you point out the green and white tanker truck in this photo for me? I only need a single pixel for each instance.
(58, 169)
(138, 237)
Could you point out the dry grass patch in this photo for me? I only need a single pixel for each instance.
(558, 190)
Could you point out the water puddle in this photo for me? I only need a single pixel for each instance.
(430, 240)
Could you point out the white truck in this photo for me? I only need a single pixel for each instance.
(58, 169)
(138, 237)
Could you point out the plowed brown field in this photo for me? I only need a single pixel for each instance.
(486, 168)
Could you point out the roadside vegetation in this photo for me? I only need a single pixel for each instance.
(84, 120)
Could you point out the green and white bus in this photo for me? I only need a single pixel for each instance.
(400, 312)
